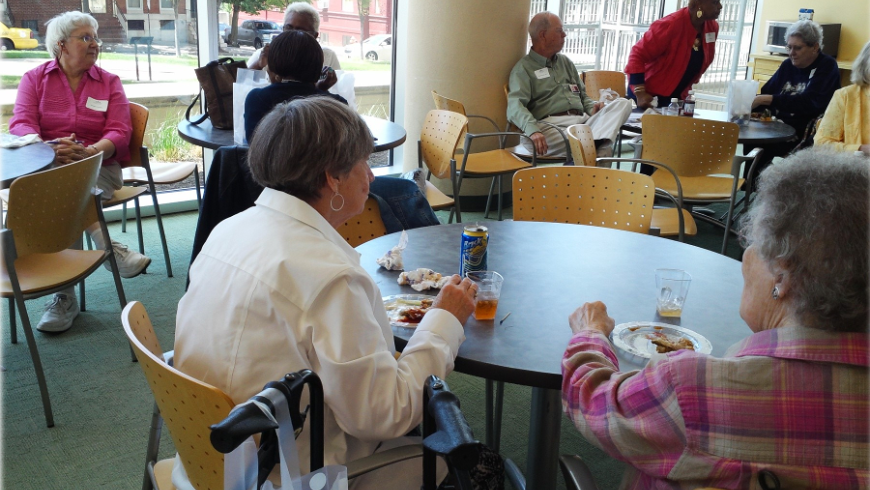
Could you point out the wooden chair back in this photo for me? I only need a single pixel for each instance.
(592, 196)
(364, 226)
(49, 210)
(443, 103)
(139, 119)
(439, 138)
(599, 79)
(188, 406)
(582, 144)
(691, 146)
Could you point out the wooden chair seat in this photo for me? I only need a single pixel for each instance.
(163, 474)
(704, 189)
(437, 199)
(521, 152)
(667, 221)
(493, 162)
(41, 272)
(163, 173)
(124, 194)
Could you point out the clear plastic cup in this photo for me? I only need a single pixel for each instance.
(488, 291)
(673, 288)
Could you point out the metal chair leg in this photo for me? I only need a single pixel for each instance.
(123, 217)
(37, 362)
(489, 198)
(162, 233)
(153, 446)
(139, 226)
(13, 329)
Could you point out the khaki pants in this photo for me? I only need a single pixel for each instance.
(605, 125)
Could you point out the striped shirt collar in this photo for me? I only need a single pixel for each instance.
(808, 344)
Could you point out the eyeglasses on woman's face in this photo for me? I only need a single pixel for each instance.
(88, 39)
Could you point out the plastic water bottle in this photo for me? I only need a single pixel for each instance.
(674, 108)
(689, 104)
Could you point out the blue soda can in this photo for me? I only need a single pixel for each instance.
(472, 250)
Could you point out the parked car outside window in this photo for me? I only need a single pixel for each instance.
(223, 31)
(375, 48)
(17, 38)
(257, 32)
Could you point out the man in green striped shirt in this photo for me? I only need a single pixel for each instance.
(546, 91)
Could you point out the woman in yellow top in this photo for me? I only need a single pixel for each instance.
(846, 125)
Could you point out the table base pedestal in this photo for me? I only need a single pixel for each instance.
(544, 431)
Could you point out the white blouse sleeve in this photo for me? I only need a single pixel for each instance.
(374, 396)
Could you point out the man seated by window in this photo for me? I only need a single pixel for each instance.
(546, 91)
(303, 17)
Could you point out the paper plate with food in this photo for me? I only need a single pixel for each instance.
(640, 340)
(406, 310)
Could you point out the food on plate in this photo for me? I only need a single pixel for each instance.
(765, 116)
(666, 343)
(422, 279)
(405, 310)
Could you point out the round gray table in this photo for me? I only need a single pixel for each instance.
(551, 269)
(751, 133)
(23, 161)
(387, 134)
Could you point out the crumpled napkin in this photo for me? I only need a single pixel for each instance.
(422, 279)
(392, 260)
(12, 141)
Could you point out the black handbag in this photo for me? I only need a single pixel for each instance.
(216, 80)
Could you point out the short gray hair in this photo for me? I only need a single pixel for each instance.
(861, 67)
(301, 140)
(809, 32)
(810, 217)
(60, 27)
(539, 23)
(304, 9)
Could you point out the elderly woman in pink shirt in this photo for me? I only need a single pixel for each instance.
(788, 404)
(81, 110)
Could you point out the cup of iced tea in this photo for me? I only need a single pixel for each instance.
(673, 287)
(488, 290)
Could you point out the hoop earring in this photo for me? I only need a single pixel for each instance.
(775, 293)
(331, 201)
(698, 13)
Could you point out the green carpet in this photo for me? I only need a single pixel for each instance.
(102, 405)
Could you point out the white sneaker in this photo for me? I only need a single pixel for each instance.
(60, 311)
(130, 263)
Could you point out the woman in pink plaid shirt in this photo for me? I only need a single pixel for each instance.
(790, 400)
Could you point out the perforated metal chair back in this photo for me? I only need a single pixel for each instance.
(438, 139)
(49, 210)
(188, 406)
(582, 144)
(592, 196)
(691, 146)
(599, 79)
(364, 226)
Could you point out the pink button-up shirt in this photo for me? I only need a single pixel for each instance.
(790, 400)
(47, 106)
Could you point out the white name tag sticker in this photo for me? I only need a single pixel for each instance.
(710, 37)
(97, 105)
(575, 88)
(542, 73)
(812, 72)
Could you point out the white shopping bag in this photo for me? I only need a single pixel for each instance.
(246, 80)
(344, 87)
(240, 466)
(741, 93)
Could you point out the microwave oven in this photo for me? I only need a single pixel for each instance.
(776, 42)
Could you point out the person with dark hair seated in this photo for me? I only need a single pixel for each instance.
(295, 63)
